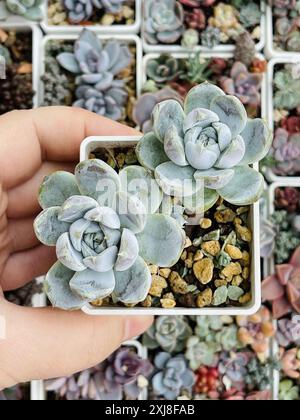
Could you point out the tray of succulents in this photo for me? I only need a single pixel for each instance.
(19, 46)
(160, 224)
(102, 16)
(207, 26)
(283, 82)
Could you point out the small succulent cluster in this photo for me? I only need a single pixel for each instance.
(96, 68)
(207, 143)
(103, 240)
(81, 10)
(29, 9)
(286, 19)
(208, 360)
(208, 23)
(122, 376)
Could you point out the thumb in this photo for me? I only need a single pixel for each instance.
(48, 343)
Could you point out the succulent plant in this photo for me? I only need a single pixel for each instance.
(96, 67)
(259, 374)
(173, 376)
(163, 21)
(197, 3)
(290, 363)
(250, 15)
(287, 198)
(233, 368)
(286, 152)
(169, 333)
(29, 9)
(118, 376)
(287, 89)
(197, 70)
(81, 10)
(256, 331)
(282, 7)
(282, 289)
(164, 69)
(211, 37)
(245, 49)
(243, 84)
(143, 108)
(226, 20)
(103, 238)
(288, 391)
(209, 143)
(201, 353)
(288, 332)
(195, 19)
(268, 234)
(190, 39)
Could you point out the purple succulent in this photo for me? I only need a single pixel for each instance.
(286, 151)
(243, 84)
(288, 332)
(233, 368)
(143, 108)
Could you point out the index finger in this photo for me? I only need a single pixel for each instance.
(27, 138)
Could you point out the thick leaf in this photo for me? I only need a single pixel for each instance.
(200, 117)
(56, 188)
(202, 156)
(258, 140)
(165, 115)
(57, 288)
(233, 155)
(68, 62)
(133, 285)
(224, 135)
(150, 152)
(98, 180)
(162, 241)
(48, 228)
(68, 255)
(200, 202)
(132, 212)
(128, 252)
(77, 231)
(141, 183)
(91, 286)
(175, 180)
(104, 215)
(174, 147)
(201, 96)
(76, 207)
(245, 188)
(103, 262)
(231, 112)
(215, 178)
(112, 236)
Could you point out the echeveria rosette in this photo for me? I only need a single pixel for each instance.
(209, 142)
(104, 238)
(29, 9)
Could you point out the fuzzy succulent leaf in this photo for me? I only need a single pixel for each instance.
(128, 252)
(201, 96)
(150, 152)
(48, 228)
(133, 285)
(29, 9)
(245, 188)
(90, 286)
(258, 141)
(215, 178)
(176, 180)
(165, 115)
(162, 241)
(56, 188)
(132, 212)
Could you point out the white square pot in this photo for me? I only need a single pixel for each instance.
(177, 48)
(100, 29)
(25, 26)
(88, 146)
(270, 112)
(128, 39)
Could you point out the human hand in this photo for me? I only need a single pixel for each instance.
(45, 343)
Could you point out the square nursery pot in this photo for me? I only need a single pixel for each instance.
(271, 176)
(127, 39)
(101, 29)
(39, 393)
(270, 49)
(167, 48)
(88, 146)
(22, 26)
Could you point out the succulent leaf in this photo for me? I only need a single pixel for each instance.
(166, 114)
(132, 286)
(68, 62)
(215, 178)
(90, 285)
(150, 152)
(104, 262)
(77, 230)
(176, 180)
(68, 255)
(258, 140)
(48, 228)
(231, 112)
(233, 155)
(98, 180)
(174, 147)
(201, 96)
(75, 208)
(245, 188)
(162, 241)
(199, 117)
(57, 287)
(132, 212)
(56, 188)
(104, 215)
(200, 202)
(128, 252)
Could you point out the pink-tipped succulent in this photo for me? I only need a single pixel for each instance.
(290, 363)
(283, 287)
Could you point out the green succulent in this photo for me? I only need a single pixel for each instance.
(164, 69)
(102, 225)
(29, 9)
(288, 391)
(169, 333)
(250, 14)
(200, 353)
(209, 143)
(287, 89)
(197, 70)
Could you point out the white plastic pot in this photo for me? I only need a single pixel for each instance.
(91, 144)
(129, 39)
(19, 26)
(270, 111)
(101, 29)
(177, 48)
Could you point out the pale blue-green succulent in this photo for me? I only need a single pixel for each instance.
(207, 143)
(105, 232)
(29, 9)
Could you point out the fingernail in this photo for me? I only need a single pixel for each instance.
(136, 325)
